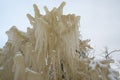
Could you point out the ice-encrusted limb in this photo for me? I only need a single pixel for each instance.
(46, 9)
(31, 19)
(36, 10)
(60, 8)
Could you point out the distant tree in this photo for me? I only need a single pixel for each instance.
(108, 53)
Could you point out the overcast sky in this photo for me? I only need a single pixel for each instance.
(100, 19)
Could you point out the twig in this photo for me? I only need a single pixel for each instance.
(111, 52)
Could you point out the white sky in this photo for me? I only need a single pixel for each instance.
(100, 19)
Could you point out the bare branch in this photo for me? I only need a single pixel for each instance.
(109, 53)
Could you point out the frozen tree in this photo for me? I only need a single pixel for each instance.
(51, 50)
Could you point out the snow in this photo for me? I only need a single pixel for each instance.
(111, 77)
(29, 70)
(18, 54)
(93, 64)
(102, 65)
(111, 74)
(33, 21)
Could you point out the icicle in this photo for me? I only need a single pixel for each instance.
(51, 51)
(46, 9)
(36, 10)
(60, 8)
(31, 19)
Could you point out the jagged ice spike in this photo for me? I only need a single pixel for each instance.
(36, 10)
